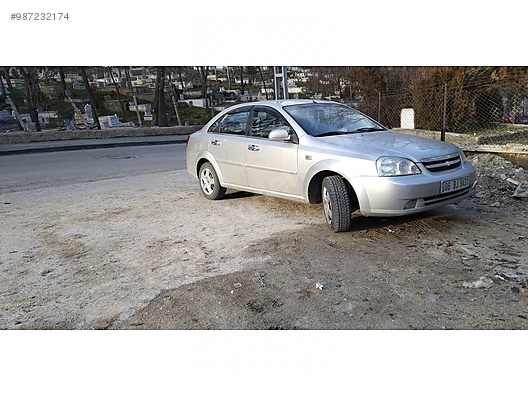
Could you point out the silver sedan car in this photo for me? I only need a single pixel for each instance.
(321, 151)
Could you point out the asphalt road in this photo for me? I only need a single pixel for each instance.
(29, 171)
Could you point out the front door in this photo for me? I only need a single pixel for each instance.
(270, 165)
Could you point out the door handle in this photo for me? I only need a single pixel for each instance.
(215, 142)
(253, 147)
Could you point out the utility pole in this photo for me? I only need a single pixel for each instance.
(281, 82)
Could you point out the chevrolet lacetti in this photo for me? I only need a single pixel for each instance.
(321, 151)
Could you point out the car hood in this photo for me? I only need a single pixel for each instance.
(390, 143)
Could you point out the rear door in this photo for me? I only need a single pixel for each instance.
(228, 143)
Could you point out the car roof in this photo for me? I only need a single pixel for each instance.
(281, 103)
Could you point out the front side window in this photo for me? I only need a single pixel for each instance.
(264, 121)
(321, 119)
(232, 123)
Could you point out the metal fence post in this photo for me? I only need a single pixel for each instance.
(379, 106)
(444, 115)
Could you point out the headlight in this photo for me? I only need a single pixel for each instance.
(396, 166)
(462, 156)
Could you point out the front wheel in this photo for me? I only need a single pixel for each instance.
(209, 184)
(336, 203)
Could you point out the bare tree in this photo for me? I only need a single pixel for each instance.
(129, 85)
(91, 96)
(160, 106)
(118, 94)
(4, 92)
(181, 79)
(241, 70)
(228, 77)
(216, 79)
(175, 95)
(12, 94)
(63, 82)
(27, 75)
(128, 79)
(204, 70)
(263, 82)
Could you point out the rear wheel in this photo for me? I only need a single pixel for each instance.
(209, 184)
(336, 203)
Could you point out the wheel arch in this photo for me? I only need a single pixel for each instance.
(202, 159)
(210, 184)
(199, 164)
(316, 182)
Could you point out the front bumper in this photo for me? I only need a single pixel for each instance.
(397, 196)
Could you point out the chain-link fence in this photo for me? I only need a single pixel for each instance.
(480, 111)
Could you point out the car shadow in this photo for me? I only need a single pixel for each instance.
(238, 194)
(361, 223)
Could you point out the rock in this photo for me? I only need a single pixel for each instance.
(521, 191)
(481, 283)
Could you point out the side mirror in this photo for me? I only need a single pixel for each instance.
(280, 135)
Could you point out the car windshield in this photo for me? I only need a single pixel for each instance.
(325, 119)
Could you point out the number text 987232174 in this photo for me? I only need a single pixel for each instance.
(40, 16)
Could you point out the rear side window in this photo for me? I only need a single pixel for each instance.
(231, 123)
(214, 127)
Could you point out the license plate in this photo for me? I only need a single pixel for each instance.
(453, 185)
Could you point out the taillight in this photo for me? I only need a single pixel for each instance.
(187, 142)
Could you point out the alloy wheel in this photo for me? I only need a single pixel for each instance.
(207, 181)
(327, 205)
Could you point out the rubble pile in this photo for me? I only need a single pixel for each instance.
(499, 181)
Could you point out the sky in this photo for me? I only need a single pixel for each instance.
(240, 32)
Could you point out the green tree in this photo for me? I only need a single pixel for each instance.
(252, 74)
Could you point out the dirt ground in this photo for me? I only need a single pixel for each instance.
(149, 252)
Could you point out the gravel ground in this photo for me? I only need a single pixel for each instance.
(150, 252)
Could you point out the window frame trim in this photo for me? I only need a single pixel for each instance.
(234, 111)
(275, 113)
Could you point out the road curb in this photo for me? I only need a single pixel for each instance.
(87, 146)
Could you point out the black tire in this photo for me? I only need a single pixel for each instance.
(209, 184)
(336, 203)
